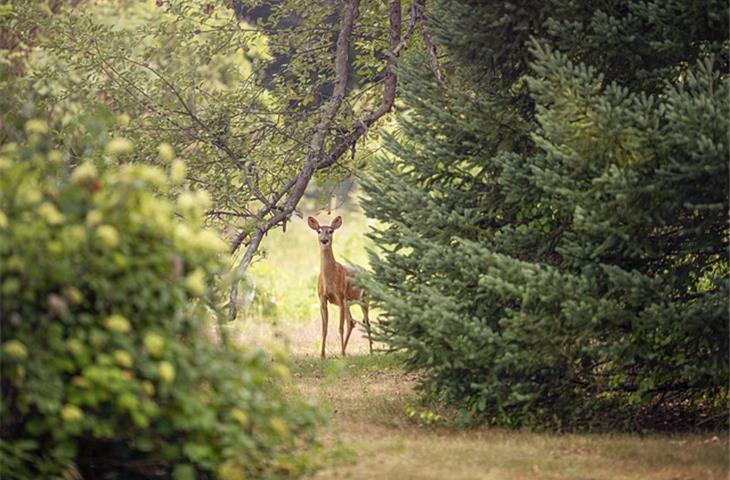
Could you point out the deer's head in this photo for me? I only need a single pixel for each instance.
(324, 232)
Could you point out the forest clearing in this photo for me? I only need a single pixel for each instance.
(377, 427)
(409, 239)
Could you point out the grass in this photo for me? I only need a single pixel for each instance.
(337, 367)
(374, 434)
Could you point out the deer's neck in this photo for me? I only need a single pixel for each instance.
(327, 263)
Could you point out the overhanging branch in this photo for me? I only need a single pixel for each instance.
(396, 45)
(299, 186)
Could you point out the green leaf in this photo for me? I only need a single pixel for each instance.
(184, 472)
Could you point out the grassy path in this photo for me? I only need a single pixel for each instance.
(372, 436)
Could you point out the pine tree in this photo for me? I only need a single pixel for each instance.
(555, 213)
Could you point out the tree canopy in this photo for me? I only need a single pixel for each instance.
(258, 97)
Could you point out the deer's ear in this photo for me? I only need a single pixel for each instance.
(313, 223)
(337, 222)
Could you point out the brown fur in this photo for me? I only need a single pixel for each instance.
(335, 286)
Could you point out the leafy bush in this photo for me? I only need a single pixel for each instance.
(108, 367)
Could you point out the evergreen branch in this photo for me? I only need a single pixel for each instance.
(430, 47)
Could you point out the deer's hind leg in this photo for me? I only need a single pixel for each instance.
(350, 324)
(343, 313)
(366, 320)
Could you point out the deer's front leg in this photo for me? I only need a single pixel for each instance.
(324, 313)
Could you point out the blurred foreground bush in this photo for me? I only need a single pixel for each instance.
(107, 371)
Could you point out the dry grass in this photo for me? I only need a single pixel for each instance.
(372, 436)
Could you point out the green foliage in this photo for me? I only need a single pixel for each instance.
(236, 88)
(108, 365)
(556, 239)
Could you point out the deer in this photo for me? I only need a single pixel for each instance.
(335, 285)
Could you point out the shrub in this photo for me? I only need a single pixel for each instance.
(105, 300)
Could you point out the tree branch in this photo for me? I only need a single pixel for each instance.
(396, 44)
(299, 186)
(430, 47)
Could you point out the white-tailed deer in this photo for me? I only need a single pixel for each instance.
(334, 285)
